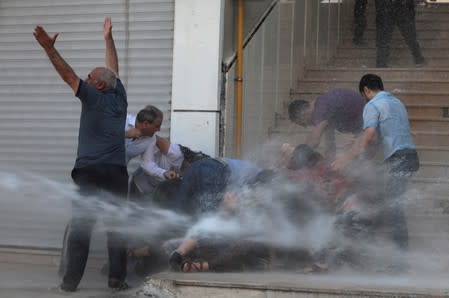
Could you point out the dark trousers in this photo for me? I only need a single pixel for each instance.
(106, 182)
(391, 13)
(359, 19)
(399, 168)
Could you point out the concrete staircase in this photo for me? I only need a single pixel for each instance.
(424, 91)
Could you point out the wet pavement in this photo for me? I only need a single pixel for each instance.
(39, 281)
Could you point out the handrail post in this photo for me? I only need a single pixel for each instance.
(238, 81)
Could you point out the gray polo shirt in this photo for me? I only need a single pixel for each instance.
(101, 138)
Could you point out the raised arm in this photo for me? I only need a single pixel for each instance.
(111, 59)
(64, 70)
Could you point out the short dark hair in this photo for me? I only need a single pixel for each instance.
(296, 108)
(372, 82)
(191, 156)
(304, 157)
(265, 176)
(149, 113)
(166, 192)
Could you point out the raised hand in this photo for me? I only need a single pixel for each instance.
(107, 28)
(43, 38)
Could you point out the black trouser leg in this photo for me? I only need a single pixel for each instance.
(117, 255)
(407, 27)
(359, 20)
(108, 183)
(77, 245)
(384, 31)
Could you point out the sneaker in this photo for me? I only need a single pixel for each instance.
(67, 288)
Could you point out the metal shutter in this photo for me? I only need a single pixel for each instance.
(39, 115)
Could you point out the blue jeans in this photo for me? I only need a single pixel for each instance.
(202, 186)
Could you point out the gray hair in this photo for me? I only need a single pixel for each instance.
(149, 113)
(107, 76)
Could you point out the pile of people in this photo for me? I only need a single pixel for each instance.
(251, 205)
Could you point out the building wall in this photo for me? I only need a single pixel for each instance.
(296, 35)
(40, 115)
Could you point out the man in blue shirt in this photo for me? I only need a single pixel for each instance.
(385, 121)
(100, 164)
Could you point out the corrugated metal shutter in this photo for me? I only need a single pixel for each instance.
(38, 113)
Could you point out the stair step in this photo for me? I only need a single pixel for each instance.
(433, 169)
(433, 138)
(408, 98)
(433, 153)
(397, 43)
(316, 86)
(432, 145)
(429, 124)
(395, 53)
(421, 34)
(403, 62)
(387, 74)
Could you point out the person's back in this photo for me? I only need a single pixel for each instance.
(101, 135)
(393, 124)
(342, 108)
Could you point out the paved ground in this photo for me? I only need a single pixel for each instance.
(39, 281)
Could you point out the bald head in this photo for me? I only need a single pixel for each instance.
(102, 78)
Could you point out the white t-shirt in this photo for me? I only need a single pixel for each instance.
(152, 161)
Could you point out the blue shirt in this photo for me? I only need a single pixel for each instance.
(389, 116)
(101, 138)
(241, 171)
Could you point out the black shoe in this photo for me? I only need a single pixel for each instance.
(67, 288)
(118, 285)
(421, 63)
(175, 261)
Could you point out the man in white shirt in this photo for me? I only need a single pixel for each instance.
(160, 160)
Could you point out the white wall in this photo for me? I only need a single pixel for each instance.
(197, 59)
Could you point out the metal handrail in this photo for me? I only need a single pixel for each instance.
(228, 65)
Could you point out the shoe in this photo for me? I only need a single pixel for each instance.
(67, 288)
(118, 285)
(176, 261)
(421, 63)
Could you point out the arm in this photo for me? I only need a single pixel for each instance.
(314, 138)
(163, 144)
(360, 147)
(133, 133)
(62, 68)
(329, 144)
(111, 59)
(150, 166)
